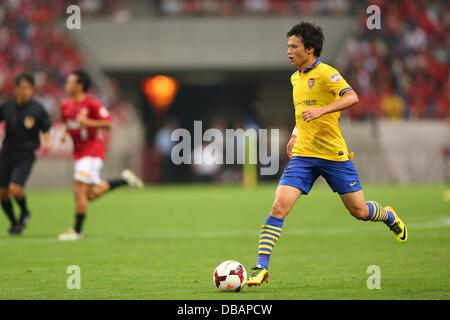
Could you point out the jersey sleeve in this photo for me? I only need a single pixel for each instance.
(62, 109)
(334, 82)
(44, 122)
(2, 107)
(99, 111)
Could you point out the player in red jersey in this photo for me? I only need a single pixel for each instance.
(85, 118)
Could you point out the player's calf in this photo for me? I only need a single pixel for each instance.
(269, 235)
(18, 193)
(98, 190)
(8, 209)
(360, 213)
(271, 230)
(285, 198)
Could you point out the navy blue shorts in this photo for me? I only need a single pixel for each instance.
(302, 172)
(15, 168)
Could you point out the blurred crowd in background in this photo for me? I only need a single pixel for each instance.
(399, 72)
(402, 70)
(31, 41)
(254, 7)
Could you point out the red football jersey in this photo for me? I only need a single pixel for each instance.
(87, 142)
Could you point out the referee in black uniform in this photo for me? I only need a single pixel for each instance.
(25, 119)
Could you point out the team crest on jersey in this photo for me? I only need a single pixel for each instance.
(28, 122)
(336, 77)
(311, 82)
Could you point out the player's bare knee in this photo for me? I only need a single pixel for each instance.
(80, 194)
(15, 190)
(279, 209)
(92, 195)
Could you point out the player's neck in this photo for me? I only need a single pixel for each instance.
(79, 97)
(308, 63)
(22, 102)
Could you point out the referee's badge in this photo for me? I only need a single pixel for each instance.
(311, 82)
(28, 122)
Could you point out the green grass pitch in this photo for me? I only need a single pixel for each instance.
(164, 243)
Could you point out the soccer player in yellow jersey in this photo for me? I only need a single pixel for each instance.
(316, 147)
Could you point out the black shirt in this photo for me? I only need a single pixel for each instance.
(23, 124)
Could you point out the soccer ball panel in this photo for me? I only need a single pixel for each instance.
(230, 275)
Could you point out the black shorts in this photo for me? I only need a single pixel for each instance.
(15, 168)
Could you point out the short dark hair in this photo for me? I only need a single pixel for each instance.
(83, 78)
(28, 77)
(310, 34)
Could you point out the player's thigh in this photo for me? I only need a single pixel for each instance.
(87, 170)
(5, 171)
(285, 198)
(300, 173)
(341, 176)
(80, 189)
(354, 201)
(21, 171)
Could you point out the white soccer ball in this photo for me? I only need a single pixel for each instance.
(230, 276)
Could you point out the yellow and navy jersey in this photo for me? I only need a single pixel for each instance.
(319, 85)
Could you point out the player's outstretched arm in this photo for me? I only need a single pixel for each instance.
(92, 123)
(63, 135)
(349, 99)
(46, 140)
(291, 142)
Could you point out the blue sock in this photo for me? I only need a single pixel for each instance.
(371, 209)
(391, 218)
(378, 213)
(270, 233)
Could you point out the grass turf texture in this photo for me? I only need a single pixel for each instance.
(164, 243)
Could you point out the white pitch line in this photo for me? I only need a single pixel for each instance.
(430, 225)
(182, 235)
(298, 232)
